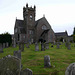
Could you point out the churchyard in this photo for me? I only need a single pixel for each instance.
(60, 58)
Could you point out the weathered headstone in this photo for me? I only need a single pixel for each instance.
(47, 63)
(21, 46)
(36, 47)
(7, 45)
(4, 45)
(1, 48)
(10, 65)
(42, 47)
(27, 72)
(70, 69)
(69, 47)
(58, 46)
(27, 45)
(14, 42)
(17, 54)
(47, 45)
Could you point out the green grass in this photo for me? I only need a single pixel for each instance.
(60, 58)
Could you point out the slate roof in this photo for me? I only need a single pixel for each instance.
(61, 34)
(36, 22)
(19, 23)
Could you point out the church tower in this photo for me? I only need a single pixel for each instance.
(29, 21)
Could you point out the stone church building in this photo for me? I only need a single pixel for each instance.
(31, 30)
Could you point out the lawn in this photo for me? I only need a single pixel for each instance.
(59, 58)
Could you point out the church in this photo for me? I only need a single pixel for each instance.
(31, 30)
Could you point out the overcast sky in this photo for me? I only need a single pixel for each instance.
(59, 13)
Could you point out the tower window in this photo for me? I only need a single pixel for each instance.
(31, 17)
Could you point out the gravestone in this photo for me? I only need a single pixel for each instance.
(14, 42)
(7, 45)
(36, 47)
(47, 45)
(42, 47)
(27, 72)
(58, 46)
(47, 63)
(3, 45)
(70, 69)
(21, 46)
(1, 48)
(27, 45)
(17, 54)
(69, 47)
(10, 65)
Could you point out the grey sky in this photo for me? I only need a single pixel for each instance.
(59, 13)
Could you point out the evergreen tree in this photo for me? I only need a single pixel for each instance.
(74, 35)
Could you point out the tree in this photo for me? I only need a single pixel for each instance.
(74, 35)
(6, 37)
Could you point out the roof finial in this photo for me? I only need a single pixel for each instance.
(26, 4)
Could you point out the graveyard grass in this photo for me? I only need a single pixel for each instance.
(34, 60)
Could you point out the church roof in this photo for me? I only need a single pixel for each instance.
(19, 23)
(36, 22)
(61, 34)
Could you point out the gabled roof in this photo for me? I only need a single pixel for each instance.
(36, 22)
(44, 20)
(61, 34)
(19, 23)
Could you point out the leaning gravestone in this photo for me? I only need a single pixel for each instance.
(36, 47)
(27, 72)
(70, 69)
(47, 45)
(42, 47)
(47, 63)
(17, 54)
(10, 65)
(1, 48)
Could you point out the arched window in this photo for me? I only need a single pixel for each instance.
(44, 27)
